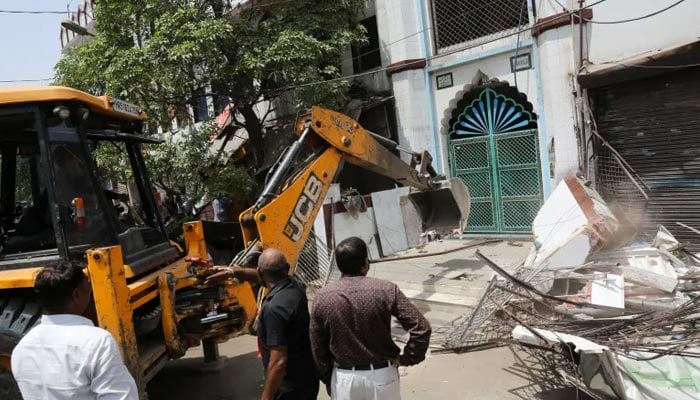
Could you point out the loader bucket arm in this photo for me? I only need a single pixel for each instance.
(443, 205)
(445, 208)
(285, 212)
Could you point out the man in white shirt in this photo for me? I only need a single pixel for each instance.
(66, 357)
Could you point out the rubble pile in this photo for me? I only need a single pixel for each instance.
(596, 306)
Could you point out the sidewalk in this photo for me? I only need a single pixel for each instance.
(446, 286)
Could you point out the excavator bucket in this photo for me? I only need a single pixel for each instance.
(443, 209)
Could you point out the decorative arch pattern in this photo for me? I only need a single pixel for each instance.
(492, 113)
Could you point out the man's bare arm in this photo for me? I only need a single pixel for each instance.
(276, 370)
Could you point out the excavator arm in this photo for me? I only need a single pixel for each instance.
(284, 214)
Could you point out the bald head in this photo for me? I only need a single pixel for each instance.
(273, 265)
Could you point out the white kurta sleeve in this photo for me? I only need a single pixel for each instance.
(111, 379)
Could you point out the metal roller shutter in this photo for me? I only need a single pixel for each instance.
(655, 125)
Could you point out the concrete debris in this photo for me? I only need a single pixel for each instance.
(573, 223)
(601, 309)
(543, 337)
(640, 376)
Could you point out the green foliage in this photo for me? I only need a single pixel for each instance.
(184, 164)
(156, 53)
(187, 163)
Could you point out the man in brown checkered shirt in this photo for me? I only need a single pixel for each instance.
(351, 330)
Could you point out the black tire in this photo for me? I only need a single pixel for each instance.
(148, 322)
(18, 316)
(8, 386)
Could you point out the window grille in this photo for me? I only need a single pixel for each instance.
(460, 23)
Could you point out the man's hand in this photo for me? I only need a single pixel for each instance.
(395, 361)
(222, 274)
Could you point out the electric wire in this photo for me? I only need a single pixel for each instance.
(31, 12)
(624, 21)
(348, 77)
(25, 80)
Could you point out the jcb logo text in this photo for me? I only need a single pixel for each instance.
(303, 208)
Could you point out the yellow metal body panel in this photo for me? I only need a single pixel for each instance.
(18, 278)
(194, 239)
(178, 268)
(36, 94)
(166, 288)
(286, 221)
(245, 296)
(113, 306)
(335, 128)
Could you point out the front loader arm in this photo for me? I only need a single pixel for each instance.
(285, 212)
(285, 222)
(358, 146)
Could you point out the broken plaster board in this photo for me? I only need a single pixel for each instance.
(607, 290)
(333, 194)
(363, 226)
(672, 377)
(525, 335)
(567, 227)
(412, 222)
(390, 226)
(646, 266)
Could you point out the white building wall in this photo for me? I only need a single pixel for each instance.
(398, 27)
(411, 111)
(557, 73)
(614, 42)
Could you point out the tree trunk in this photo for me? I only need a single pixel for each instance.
(255, 134)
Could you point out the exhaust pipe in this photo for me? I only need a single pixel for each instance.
(444, 208)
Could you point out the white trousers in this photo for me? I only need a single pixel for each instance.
(378, 384)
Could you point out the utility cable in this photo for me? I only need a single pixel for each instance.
(25, 80)
(361, 74)
(31, 12)
(623, 21)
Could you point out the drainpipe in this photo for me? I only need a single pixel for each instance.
(575, 89)
(583, 151)
(425, 52)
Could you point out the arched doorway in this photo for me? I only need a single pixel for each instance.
(494, 148)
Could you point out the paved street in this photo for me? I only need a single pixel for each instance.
(443, 286)
(493, 374)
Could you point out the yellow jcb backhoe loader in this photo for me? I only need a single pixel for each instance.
(148, 292)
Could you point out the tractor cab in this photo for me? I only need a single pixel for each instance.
(54, 200)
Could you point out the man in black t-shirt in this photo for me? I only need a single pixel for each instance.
(283, 333)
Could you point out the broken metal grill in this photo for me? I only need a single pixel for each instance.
(477, 328)
(459, 23)
(315, 263)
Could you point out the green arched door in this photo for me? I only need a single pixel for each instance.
(494, 149)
